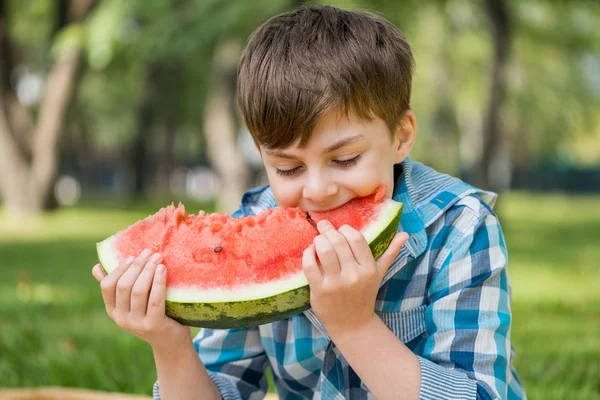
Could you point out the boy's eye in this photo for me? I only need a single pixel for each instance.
(342, 163)
(346, 163)
(286, 172)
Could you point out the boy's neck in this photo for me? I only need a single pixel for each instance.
(398, 169)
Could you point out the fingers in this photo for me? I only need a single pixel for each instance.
(327, 256)
(386, 259)
(311, 266)
(339, 242)
(109, 285)
(126, 282)
(352, 249)
(358, 244)
(98, 273)
(156, 300)
(141, 287)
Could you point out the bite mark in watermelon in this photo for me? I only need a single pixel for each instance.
(228, 272)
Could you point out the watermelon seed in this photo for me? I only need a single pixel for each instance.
(218, 249)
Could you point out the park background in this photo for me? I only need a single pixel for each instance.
(110, 109)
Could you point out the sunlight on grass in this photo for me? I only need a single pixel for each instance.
(82, 221)
(534, 283)
(27, 292)
(68, 223)
(552, 209)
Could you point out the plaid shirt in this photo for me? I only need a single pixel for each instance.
(446, 297)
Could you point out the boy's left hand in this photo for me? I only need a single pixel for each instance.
(345, 278)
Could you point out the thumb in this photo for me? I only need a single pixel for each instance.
(385, 261)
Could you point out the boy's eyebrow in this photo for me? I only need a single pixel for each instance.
(343, 142)
(337, 145)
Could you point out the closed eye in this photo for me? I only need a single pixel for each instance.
(342, 163)
(348, 162)
(286, 172)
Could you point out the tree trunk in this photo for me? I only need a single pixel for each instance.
(166, 160)
(172, 86)
(26, 183)
(221, 129)
(59, 91)
(494, 168)
(145, 117)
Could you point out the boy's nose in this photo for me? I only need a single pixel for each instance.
(318, 189)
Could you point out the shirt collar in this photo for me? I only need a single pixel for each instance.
(426, 194)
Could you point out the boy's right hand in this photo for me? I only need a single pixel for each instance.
(134, 296)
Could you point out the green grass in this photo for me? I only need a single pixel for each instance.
(54, 330)
(554, 248)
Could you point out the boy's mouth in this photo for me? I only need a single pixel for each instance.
(379, 194)
(324, 209)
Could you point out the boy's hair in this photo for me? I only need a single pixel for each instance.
(301, 64)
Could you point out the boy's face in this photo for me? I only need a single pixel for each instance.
(346, 157)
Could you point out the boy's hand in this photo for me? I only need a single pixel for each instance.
(345, 279)
(134, 296)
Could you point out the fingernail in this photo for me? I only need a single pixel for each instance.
(323, 224)
(160, 269)
(146, 253)
(155, 257)
(130, 260)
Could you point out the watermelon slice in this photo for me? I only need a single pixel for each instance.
(225, 272)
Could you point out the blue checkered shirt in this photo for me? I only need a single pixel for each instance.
(446, 297)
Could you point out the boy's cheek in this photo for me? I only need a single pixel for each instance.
(366, 182)
(285, 195)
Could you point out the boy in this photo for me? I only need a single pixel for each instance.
(326, 96)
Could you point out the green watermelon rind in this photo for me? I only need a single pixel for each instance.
(383, 237)
(261, 310)
(241, 314)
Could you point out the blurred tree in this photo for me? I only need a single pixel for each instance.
(146, 113)
(554, 79)
(489, 173)
(549, 98)
(28, 149)
(183, 55)
(222, 126)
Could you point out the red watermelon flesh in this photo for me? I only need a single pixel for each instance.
(215, 250)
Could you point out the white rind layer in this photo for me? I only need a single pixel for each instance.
(388, 211)
(108, 254)
(109, 259)
(245, 293)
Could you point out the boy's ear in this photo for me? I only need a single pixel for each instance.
(404, 136)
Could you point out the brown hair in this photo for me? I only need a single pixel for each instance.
(301, 64)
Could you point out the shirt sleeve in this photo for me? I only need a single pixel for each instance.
(235, 361)
(467, 353)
